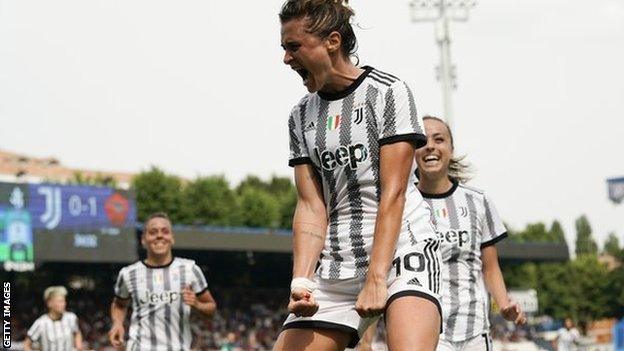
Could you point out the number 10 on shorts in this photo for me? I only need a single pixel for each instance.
(413, 262)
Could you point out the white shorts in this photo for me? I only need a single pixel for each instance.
(415, 272)
(481, 342)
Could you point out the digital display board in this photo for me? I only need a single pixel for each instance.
(51, 222)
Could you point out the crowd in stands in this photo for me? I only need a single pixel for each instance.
(245, 321)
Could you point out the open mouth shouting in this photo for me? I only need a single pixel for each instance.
(305, 75)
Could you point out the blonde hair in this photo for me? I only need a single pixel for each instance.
(458, 169)
(53, 291)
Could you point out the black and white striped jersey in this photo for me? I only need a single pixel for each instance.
(341, 135)
(54, 335)
(160, 319)
(466, 222)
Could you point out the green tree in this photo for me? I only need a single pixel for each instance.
(287, 204)
(616, 292)
(585, 244)
(513, 234)
(556, 233)
(589, 288)
(79, 178)
(281, 189)
(579, 289)
(280, 186)
(535, 232)
(99, 180)
(251, 181)
(209, 200)
(554, 290)
(521, 276)
(156, 191)
(258, 208)
(612, 245)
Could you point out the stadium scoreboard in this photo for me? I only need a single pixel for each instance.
(65, 223)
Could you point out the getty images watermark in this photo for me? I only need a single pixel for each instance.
(6, 315)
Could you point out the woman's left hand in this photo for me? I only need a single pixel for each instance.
(371, 301)
(514, 314)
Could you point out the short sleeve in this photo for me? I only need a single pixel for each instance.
(121, 287)
(399, 120)
(74, 324)
(34, 333)
(298, 151)
(493, 228)
(199, 284)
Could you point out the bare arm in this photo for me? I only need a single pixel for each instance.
(118, 311)
(493, 277)
(554, 343)
(495, 285)
(204, 304)
(309, 229)
(27, 344)
(309, 222)
(78, 340)
(395, 168)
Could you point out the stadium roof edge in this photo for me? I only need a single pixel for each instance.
(280, 240)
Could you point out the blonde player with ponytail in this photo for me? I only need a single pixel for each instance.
(469, 227)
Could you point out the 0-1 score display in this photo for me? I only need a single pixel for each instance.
(50, 222)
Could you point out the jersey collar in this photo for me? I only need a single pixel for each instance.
(161, 266)
(442, 195)
(56, 319)
(351, 88)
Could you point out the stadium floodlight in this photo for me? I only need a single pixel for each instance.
(441, 12)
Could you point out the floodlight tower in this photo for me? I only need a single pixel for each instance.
(441, 12)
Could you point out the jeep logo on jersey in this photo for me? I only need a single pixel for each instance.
(349, 155)
(458, 237)
(154, 298)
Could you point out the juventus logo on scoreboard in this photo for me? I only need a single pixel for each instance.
(52, 215)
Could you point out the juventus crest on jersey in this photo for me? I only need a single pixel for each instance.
(160, 319)
(466, 222)
(341, 135)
